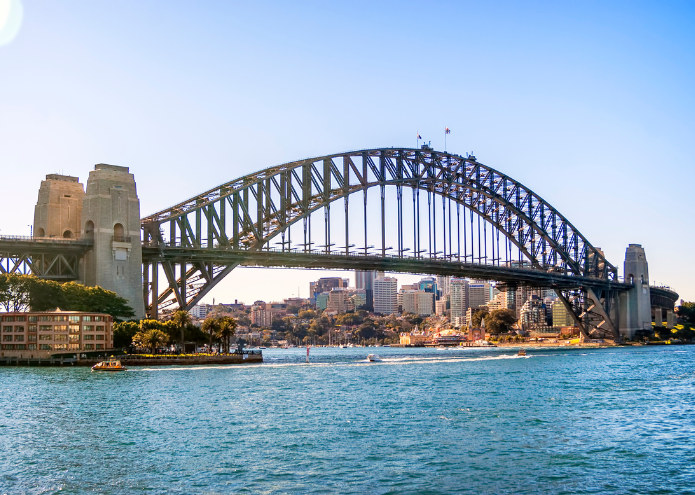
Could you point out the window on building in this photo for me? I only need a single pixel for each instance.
(31, 347)
(100, 328)
(98, 318)
(20, 347)
(60, 338)
(99, 337)
(60, 328)
(74, 337)
(74, 329)
(88, 337)
(8, 318)
(45, 336)
(45, 347)
(19, 338)
(87, 318)
(7, 328)
(34, 318)
(32, 328)
(89, 347)
(46, 328)
(74, 319)
(60, 347)
(45, 318)
(74, 347)
(88, 328)
(31, 338)
(7, 338)
(100, 346)
(20, 318)
(8, 347)
(19, 329)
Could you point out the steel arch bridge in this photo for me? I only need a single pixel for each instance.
(392, 209)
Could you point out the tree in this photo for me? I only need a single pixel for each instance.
(308, 314)
(151, 338)
(686, 312)
(226, 330)
(15, 291)
(211, 326)
(82, 298)
(500, 321)
(478, 316)
(123, 333)
(181, 320)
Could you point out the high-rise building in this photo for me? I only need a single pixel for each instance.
(561, 317)
(200, 311)
(339, 301)
(261, 314)
(444, 285)
(365, 280)
(385, 300)
(417, 302)
(326, 284)
(428, 284)
(478, 293)
(533, 313)
(459, 300)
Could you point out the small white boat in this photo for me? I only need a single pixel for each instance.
(373, 358)
(522, 352)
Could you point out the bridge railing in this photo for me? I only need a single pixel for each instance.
(48, 240)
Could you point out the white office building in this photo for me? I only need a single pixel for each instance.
(385, 295)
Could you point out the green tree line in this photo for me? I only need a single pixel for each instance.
(27, 292)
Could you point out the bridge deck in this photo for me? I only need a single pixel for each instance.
(354, 261)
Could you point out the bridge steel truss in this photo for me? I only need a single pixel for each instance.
(49, 258)
(463, 216)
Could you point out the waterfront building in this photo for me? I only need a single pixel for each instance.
(385, 299)
(41, 334)
(415, 338)
(561, 317)
(417, 302)
(261, 314)
(459, 300)
(533, 313)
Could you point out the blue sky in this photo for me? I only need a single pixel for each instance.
(589, 104)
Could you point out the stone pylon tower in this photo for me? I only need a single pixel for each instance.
(635, 305)
(111, 216)
(58, 211)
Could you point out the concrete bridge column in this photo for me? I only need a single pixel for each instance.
(635, 305)
(657, 318)
(670, 319)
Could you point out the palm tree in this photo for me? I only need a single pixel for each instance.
(152, 338)
(226, 330)
(212, 326)
(181, 320)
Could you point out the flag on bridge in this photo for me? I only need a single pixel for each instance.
(447, 130)
(419, 136)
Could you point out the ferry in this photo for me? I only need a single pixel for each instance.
(522, 352)
(110, 364)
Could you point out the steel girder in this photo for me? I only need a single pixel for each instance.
(54, 259)
(250, 212)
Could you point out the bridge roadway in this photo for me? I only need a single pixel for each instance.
(511, 275)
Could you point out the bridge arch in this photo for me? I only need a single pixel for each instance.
(250, 213)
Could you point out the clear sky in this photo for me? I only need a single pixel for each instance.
(590, 104)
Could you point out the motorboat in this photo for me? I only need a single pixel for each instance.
(110, 364)
(522, 352)
(373, 358)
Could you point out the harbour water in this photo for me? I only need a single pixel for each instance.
(618, 420)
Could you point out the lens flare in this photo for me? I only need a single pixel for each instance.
(11, 12)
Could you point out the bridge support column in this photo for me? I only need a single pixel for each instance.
(111, 211)
(670, 319)
(635, 304)
(584, 335)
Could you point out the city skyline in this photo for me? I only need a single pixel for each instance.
(588, 135)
